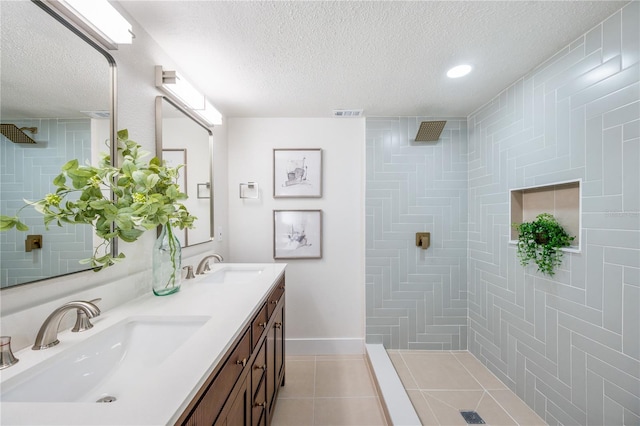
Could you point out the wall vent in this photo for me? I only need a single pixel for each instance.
(347, 113)
(100, 115)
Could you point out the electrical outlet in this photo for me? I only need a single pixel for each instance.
(219, 233)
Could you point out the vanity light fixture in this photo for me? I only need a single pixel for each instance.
(459, 71)
(179, 89)
(98, 18)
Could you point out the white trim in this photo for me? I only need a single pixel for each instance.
(393, 396)
(324, 346)
(570, 249)
(544, 185)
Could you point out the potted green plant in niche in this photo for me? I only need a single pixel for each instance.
(542, 241)
(146, 196)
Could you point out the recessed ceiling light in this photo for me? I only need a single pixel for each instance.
(459, 71)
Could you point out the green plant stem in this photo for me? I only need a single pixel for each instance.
(172, 253)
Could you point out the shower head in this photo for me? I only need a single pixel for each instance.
(430, 131)
(17, 135)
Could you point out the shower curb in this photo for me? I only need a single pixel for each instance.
(395, 402)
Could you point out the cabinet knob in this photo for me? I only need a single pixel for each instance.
(242, 362)
(260, 367)
(262, 324)
(260, 404)
(278, 325)
(274, 302)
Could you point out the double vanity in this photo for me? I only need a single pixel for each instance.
(212, 353)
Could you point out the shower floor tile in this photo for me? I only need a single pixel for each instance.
(440, 384)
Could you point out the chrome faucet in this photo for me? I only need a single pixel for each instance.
(48, 334)
(203, 266)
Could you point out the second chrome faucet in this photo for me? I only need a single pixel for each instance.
(48, 334)
(203, 266)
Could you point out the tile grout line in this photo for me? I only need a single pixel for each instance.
(485, 390)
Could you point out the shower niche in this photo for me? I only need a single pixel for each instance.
(562, 200)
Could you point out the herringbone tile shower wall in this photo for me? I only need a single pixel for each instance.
(416, 299)
(27, 172)
(569, 346)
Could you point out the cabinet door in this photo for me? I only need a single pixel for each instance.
(240, 412)
(279, 346)
(271, 363)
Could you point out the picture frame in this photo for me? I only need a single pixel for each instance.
(297, 234)
(297, 173)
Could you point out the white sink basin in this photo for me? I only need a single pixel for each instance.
(105, 364)
(235, 274)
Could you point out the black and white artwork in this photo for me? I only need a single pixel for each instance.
(297, 173)
(297, 234)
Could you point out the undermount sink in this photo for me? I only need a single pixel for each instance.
(235, 274)
(102, 368)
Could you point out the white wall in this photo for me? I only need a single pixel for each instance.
(23, 308)
(325, 297)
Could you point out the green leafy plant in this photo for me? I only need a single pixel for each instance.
(146, 195)
(541, 241)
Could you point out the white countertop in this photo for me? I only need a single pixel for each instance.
(161, 395)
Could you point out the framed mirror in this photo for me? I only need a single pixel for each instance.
(182, 138)
(58, 90)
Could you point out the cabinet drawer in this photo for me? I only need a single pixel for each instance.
(259, 367)
(258, 326)
(275, 296)
(259, 405)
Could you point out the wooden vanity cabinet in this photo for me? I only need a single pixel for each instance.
(243, 389)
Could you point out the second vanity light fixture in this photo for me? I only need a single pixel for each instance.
(180, 90)
(98, 18)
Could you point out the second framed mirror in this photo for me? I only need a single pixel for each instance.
(182, 139)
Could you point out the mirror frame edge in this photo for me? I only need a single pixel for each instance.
(111, 63)
(197, 120)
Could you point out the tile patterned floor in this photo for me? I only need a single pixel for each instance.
(328, 390)
(339, 390)
(442, 383)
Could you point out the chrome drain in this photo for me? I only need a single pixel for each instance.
(107, 398)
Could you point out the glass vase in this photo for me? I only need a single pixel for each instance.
(167, 258)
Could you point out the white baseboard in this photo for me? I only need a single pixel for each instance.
(324, 346)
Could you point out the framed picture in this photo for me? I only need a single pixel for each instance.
(297, 173)
(297, 234)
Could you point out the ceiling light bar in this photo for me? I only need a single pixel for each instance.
(179, 87)
(180, 90)
(210, 114)
(98, 18)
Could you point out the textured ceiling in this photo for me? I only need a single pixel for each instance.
(306, 58)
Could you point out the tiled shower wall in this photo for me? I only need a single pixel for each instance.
(27, 172)
(415, 298)
(569, 346)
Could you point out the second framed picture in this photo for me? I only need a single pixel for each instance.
(297, 234)
(297, 173)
